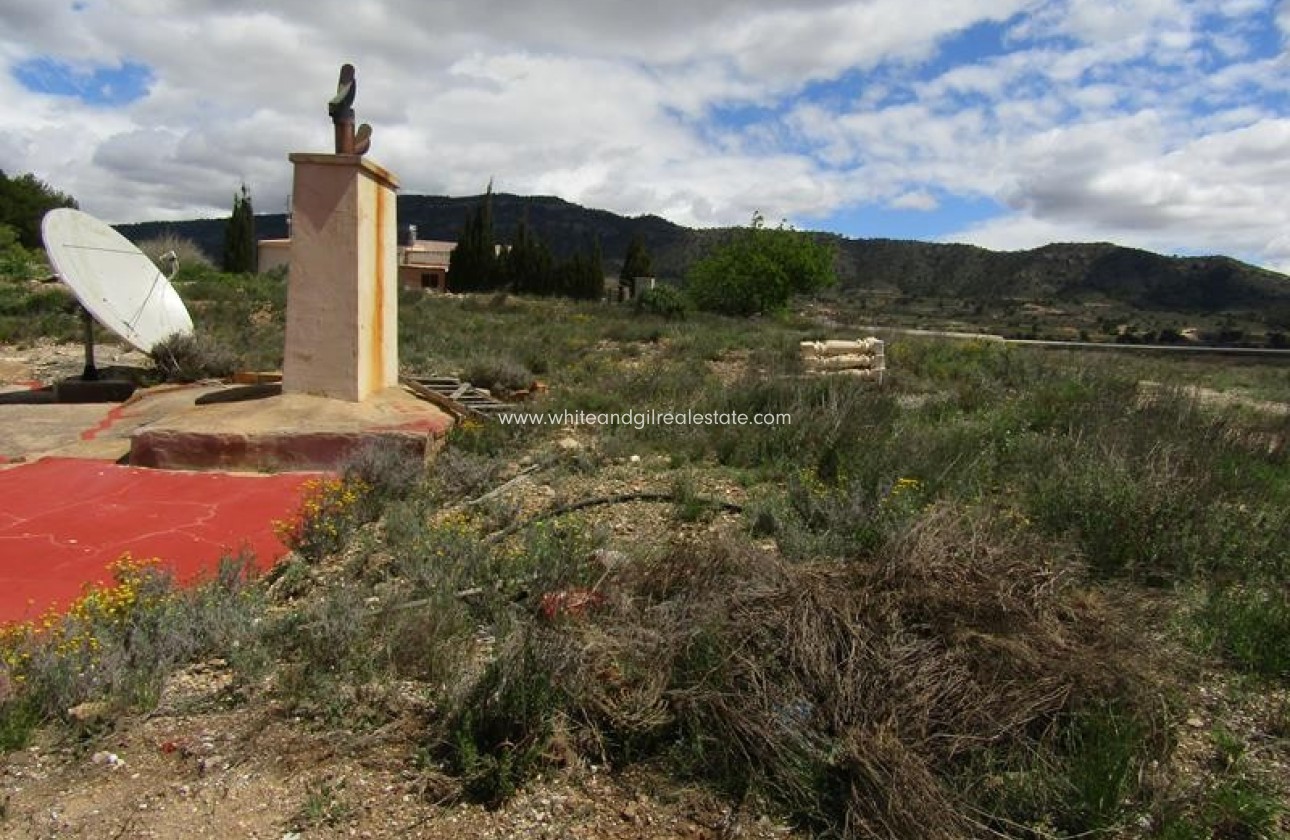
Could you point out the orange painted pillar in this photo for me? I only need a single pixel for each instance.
(342, 286)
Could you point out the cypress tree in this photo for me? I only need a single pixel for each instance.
(239, 236)
(473, 265)
(594, 288)
(636, 263)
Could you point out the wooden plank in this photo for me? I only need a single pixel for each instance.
(454, 408)
(461, 399)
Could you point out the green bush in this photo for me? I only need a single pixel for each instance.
(496, 738)
(1250, 625)
(27, 302)
(758, 269)
(17, 262)
(664, 301)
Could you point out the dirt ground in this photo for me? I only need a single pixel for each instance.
(46, 361)
(196, 768)
(207, 762)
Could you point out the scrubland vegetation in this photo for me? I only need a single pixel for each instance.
(1008, 593)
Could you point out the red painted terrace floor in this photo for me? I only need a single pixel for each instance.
(64, 520)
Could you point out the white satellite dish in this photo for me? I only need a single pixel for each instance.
(113, 280)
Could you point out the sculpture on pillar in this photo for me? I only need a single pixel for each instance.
(341, 109)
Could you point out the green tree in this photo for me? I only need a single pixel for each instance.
(239, 236)
(16, 262)
(636, 263)
(593, 287)
(473, 265)
(24, 201)
(757, 269)
(582, 275)
(528, 266)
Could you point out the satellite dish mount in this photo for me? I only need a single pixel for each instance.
(91, 372)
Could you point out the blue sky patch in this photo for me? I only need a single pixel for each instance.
(868, 221)
(109, 86)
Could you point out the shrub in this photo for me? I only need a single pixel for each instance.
(758, 268)
(192, 357)
(850, 694)
(499, 375)
(664, 301)
(1250, 625)
(188, 252)
(17, 262)
(386, 471)
(117, 642)
(332, 509)
(496, 738)
(33, 302)
(461, 474)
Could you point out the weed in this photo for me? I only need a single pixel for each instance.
(830, 688)
(1229, 749)
(325, 804)
(331, 510)
(1250, 625)
(19, 718)
(688, 505)
(118, 641)
(500, 375)
(1240, 807)
(191, 357)
(480, 438)
(385, 471)
(461, 474)
(1104, 748)
(496, 737)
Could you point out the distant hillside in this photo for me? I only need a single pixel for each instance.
(1060, 272)
(565, 227)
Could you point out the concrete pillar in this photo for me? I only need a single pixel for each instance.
(342, 287)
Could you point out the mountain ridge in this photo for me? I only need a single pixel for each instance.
(1063, 271)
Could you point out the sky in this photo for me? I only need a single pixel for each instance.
(1160, 124)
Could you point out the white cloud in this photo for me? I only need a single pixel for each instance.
(1218, 194)
(1152, 119)
(917, 200)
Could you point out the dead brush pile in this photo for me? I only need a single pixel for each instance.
(861, 697)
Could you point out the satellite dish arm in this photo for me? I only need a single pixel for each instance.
(172, 258)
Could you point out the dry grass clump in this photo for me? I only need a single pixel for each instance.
(187, 251)
(192, 357)
(855, 695)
